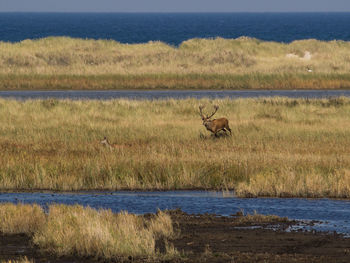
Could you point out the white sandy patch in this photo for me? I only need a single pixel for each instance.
(291, 55)
(307, 56)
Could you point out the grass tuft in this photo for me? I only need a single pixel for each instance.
(21, 218)
(86, 232)
(258, 218)
(21, 260)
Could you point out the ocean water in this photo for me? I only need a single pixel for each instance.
(174, 28)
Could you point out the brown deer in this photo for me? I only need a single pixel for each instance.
(106, 143)
(112, 146)
(214, 125)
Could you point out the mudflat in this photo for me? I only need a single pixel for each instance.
(211, 238)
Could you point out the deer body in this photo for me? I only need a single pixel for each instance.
(214, 125)
(107, 144)
(112, 146)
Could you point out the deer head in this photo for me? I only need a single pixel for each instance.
(104, 141)
(206, 118)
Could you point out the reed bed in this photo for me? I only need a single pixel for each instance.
(86, 232)
(21, 260)
(242, 63)
(279, 147)
(20, 218)
(78, 231)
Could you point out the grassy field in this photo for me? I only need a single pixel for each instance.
(243, 63)
(85, 232)
(279, 147)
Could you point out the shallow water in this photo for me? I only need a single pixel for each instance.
(175, 94)
(334, 214)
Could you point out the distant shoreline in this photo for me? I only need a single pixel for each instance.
(62, 63)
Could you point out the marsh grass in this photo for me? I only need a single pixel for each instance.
(21, 218)
(79, 231)
(279, 147)
(21, 260)
(242, 63)
(255, 218)
(86, 232)
(256, 81)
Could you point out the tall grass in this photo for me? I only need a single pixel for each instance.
(85, 232)
(62, 62)
(279, 146)
(21, 218)
(21, 260)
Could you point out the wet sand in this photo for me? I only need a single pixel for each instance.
(210, 238)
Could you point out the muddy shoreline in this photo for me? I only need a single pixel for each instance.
(211, 238)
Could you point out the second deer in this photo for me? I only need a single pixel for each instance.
(214, 125)
(112, 146)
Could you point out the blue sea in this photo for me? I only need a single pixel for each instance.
(174, 28)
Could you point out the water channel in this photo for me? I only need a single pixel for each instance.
(174, 94)
(334, 214)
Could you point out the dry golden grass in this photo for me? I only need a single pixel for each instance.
(161, 226)
(21, 218)
(68, 56)
(279, 147)
(79, 231)
(22, 260)
(67, 63)
(74, 230)
(289, 184)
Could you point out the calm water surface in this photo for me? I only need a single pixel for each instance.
(175, 94)
(335, 214)
(174, 28)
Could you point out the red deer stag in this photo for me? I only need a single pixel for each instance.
(214, 125)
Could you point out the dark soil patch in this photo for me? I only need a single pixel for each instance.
(208, 238)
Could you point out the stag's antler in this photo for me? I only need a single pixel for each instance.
(216, 107)
(200, 111)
